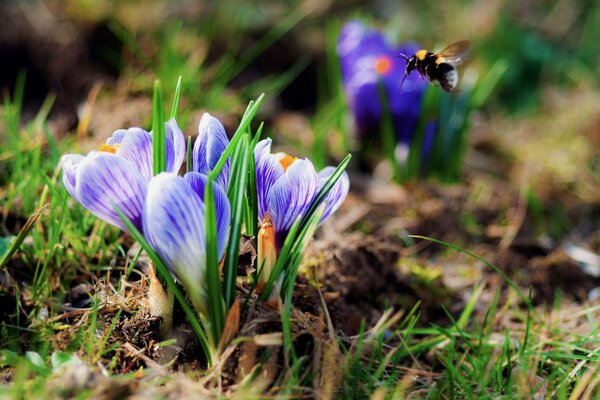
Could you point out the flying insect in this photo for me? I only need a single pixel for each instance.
(438, 67)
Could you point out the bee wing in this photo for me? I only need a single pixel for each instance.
(453, 54)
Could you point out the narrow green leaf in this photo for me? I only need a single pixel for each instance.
(238, 176)
(325, 189)
(303, 238)
(14, 243)
(189, 162)
(158, 131)
(176, 99)
(251, 111)
(251, 198)
(216, 305)
(509, 281)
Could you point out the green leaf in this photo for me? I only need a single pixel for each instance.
(251, 198)
(189, 162)
(325, 189)
(251, 111)
(216, 305)
(158, 131)
(176, 98)
(237, 196)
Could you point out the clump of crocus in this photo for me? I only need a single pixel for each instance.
(286, 188)
(167, 209)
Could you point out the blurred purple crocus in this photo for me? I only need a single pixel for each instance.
(208, 148)
(118, 173)
(174, 225)
(367, 61)
(286, 187)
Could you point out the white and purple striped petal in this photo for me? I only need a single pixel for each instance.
(135, 145)
(208, 148)
(338, 192)
(291, 195)
(174, 224)
(105, 180)
(70, 164)
(197, 182)
(174, 146)
(268, 170)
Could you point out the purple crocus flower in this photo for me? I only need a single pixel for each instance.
(118, 174)
(286, 187)
(368, 61)
(174, 225)
(208, 148)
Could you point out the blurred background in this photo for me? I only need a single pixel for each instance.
(84, 68)
(230, 51)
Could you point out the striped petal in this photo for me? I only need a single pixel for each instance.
(117, 137)
(338, 192)
(291, 195)
(268, 170)
(173, 222)
(197, 182)
(136, 147)
(174, 146)
(208, 148)
(105, 180)
(70, 164)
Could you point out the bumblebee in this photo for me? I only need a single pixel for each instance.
(440, 66)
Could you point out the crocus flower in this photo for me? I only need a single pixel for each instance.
(208, 148)
(174, 225)
(118, 173)
(368, 61)
(286, 187)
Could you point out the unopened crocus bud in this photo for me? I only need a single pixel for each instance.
(160, 303)
(267, 251)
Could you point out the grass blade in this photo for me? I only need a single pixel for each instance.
(238, 186)
(216, 306)
(251, 111)
(158, 131)
(509, 281)
(176, 99)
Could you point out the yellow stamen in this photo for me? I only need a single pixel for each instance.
(383, 65)
(109, 148)
(286, 161)
(267, 252)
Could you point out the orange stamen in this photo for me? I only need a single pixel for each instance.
(109, 148)
(383, 65)
(286, 161)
